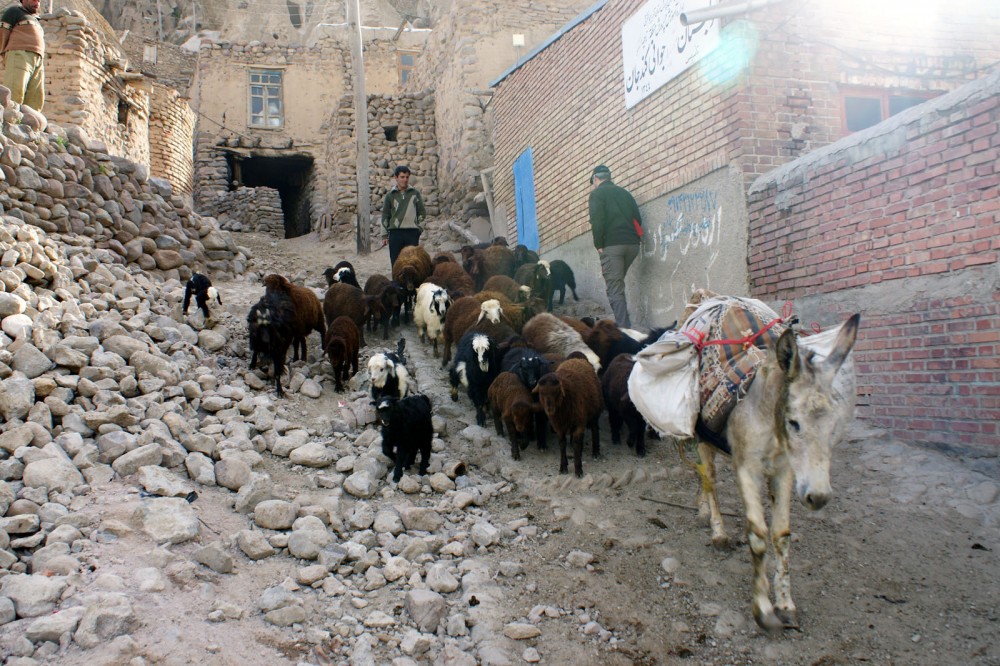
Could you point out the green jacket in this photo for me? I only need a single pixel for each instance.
(612, 210)
(403, 210)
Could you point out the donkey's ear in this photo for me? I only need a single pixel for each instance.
(845, 342)
(786, 351)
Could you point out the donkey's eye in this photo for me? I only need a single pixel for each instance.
(793, 424)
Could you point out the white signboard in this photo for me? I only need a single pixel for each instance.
(656, 47)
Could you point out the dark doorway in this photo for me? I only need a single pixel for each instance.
(289, 175)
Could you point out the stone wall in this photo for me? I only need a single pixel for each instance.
(248, 209)
(415, 145)
(472, 44)
(174, 65)
(171, 139)
(86, 84)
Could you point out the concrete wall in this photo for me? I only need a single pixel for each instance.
(900, 222)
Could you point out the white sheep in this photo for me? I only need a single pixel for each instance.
(429, 313)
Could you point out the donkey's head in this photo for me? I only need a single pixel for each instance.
(818, 406)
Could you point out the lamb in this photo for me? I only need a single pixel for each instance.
(388, 373)
(522, 255)
(562, 277)
(430, 311)
(502, 284)
(388, 298)
(529, 366)
(341, 346)
(547, 333)
(350, 301)
(271, 330)
(452, 277)
(475, 367)
(443, 258)
(514, 409)
(201, 288)
(342, 272)
(406, 430)
(571, 398)
(308, 311)
(614, 388)
(484, 264)
(412, 267)
(536, 277)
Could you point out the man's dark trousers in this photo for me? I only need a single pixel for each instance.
(400, 238)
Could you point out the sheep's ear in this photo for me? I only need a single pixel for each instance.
(535, 390)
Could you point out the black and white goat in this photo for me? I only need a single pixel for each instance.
(406, 430)
(342, 272)
(388, 373)
(476, 366)
(201, 288)
(270, 328)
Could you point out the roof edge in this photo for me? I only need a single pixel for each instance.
(583, 16)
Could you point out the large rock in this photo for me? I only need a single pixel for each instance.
(106, 617)
(254, 545)
(420, 519)
(124, 346)
(15, 438)
(17, 397)
(275, 514)
(168, 259)
(51, 627)
(130, 462)
(426, 608)
(253, 492)
(167, 520)
(360, 484)
(53, 473)
(232, 473)
(157, 366)
(33, 595)
(31, 361)
(163, 482)
(313, 454)
(11, 304)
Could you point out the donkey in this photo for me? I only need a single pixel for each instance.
(781, 434)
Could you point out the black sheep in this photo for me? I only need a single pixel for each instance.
(406, 430)
(270, 325)
(201, 288)
(562, 277)
(342, 272)
(529, 366)
(614, 387)
(475, 367)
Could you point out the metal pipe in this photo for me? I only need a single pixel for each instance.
(720, 11)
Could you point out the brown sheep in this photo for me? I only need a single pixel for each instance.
(578, 325)
(519, 314)
(571, 398)
(461, 316)
(513, 409)
(492, 322)
(502, 284)
(484, 264)
(388, 298)
(349, 301)
(341, 346)
(412, 267)
(308, 311)
(621, 409)
(548, 334)
(452, 277)
(522, 255)
(444, 257)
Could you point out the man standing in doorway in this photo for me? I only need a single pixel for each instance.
(617, 228)
(402, 214)
(22, 43)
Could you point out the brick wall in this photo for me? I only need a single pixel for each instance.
(171, 139)
(902, 223)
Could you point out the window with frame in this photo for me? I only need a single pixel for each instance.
(406, 62)
(266, 105)
(864, 107)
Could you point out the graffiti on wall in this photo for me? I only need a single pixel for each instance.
(693, 220)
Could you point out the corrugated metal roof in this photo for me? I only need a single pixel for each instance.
(555, 36)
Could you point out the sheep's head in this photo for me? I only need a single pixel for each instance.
(385, 409)
(467, 252)
(379, 369)
(343, 274)
(531, 369)
(500, 240)
(440, 302)
(490, 310)
(408, 278)
(523, 293)
(550, 391)
(336, 350)
(275, 282)
(522, 413)
(481, 345)
(543, 270)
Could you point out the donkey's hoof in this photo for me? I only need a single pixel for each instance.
(789, 617)
(768, 621)
(722, 542)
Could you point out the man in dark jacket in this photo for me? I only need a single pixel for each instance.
(617, 227)
(402, 214)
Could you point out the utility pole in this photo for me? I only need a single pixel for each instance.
(360, 127)
(159, 22)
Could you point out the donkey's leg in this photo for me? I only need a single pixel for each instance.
(750, 480)
(781, 499)
(706, 469)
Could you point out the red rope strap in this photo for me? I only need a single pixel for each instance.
(697, 338)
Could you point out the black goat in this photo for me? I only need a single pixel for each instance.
(475, 367)
(201, 288)
(614, 387)
(406, 430)
(270, 327)
(342, 272)
(562, 277)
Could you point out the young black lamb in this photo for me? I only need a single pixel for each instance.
(342, 272)
(475, 367)
(406, 430)
(201, 288)
(271, 329)
(614, 387)
(388, 373)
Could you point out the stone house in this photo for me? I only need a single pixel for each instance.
(689, 117)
